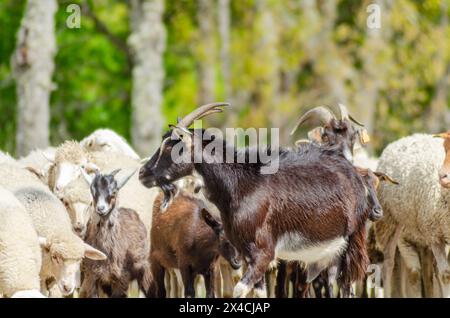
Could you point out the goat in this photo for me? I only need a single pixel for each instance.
(305, 211)
(188, 238)
(121, 235)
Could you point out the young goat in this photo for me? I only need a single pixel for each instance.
(305, 211)
(120, 234)
(187, 237)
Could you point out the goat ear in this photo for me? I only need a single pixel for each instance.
(384, 177)
(316, 134)
(211, 221)
(182, 134)
(364, 137)
(93, 253)
(115, 172)
(86, 176)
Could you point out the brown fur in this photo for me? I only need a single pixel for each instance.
(182, 239)
(123, 238)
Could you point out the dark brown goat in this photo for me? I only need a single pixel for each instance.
(120, 234)
(187, 237)
(305, 211)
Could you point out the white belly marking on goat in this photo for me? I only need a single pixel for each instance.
(294, 247)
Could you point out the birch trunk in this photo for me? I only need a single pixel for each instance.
(33, 65)
(206, 51)
(224, 31)
(147, 44)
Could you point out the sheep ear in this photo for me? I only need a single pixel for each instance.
(93, 253)
(36, 172)
(50, 158)
(211, 221)
(90, 167)
(43, 242)
(125, 180)
(384, 177)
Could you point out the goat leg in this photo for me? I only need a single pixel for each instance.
(209, 280)
(262, 253)
(188, 281)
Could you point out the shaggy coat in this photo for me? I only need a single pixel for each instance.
(134, 195)
(51, 221)
(181, 239)
(123, 238)
(20, 254)
(417, 210)
(315, 198)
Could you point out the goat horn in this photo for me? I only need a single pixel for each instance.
(86, 176)
(201, 112)
(345, 115)
(321, 113)
(113, 173)
(125, 180)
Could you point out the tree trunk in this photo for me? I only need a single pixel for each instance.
(147, 43)
(33, 65)
(206, 52)
(224, 31)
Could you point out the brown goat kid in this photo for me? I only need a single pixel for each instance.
(187, 237)
(120, 234)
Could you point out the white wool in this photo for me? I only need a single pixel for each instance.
(20, 254)
(108, 141)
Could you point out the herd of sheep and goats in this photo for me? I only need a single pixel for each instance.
(91, 218)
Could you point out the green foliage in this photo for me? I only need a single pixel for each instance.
(283, 62)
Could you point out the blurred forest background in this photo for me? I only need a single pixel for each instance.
(135, 65)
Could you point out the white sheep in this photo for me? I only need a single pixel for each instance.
(63, 250)
(38, 161)
(20, 253)
(107, 140)
(417, 210)
(71, 158)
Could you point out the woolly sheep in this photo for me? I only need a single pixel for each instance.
(107, 140)
(20, 253)
(71, 157)
(38, 161)
(63, 250)
(417, 208)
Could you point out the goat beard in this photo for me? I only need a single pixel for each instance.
(169, 190)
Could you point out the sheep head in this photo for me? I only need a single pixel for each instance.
(63, 255)
(444, 171)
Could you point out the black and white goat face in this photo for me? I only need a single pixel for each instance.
(104, 190)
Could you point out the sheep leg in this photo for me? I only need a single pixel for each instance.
(188, 281)
(262, 253)
(330, 279)
(218, 280)
(389, 261)
(157, 288)
(443, 268)
(227, 278)
(411, 259)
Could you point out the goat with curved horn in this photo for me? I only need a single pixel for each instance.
(321, 113)
(201, 112)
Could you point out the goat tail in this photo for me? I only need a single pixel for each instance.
(356, 260)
